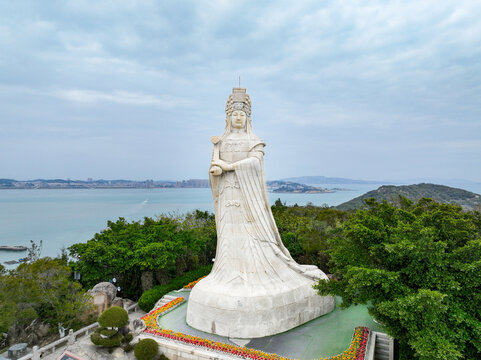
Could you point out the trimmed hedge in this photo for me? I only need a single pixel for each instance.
(114, 317)
(108, 332)
(146, 349)
(106, 342)
(150, 297)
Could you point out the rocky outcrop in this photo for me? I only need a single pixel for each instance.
(118, 301)
(147, 280)
(127, 303)
(137, 326)
(162, 276)
(103, 294)
(37, 333)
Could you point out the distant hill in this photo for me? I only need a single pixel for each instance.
(440, 193)
(292, 187)
(332, 180)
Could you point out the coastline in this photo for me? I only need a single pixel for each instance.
(62, 217)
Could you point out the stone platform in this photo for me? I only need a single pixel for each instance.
(236, 312)
(325, 336)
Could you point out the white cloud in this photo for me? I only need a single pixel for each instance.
(402, 70)
(120, 97)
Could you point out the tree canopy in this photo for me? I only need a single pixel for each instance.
(41, 291)
(418, 267)
(305, 231)
(171, 245)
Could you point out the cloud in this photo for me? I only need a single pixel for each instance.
(86, 96)
(120, 97)
(406, 71)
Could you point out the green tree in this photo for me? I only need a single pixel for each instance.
(41, 291)
(126, 250)
(305, 231)
(34, 251)
(110, 321)
(418, 267)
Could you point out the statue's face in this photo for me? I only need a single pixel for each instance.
(238, 119)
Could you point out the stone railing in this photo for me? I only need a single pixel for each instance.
(66, 340)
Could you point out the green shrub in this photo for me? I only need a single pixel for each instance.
(108, 332)
(127, 338)
(150, 297)
(106, 342)
(146, 349)
(114, 317)
(128, 348)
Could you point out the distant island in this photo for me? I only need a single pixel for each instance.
(303, 185)
(280, 186)
(440, 193)
(276, 186)
(100, 184)
(332, 180)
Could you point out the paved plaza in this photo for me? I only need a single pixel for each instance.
(325, 336)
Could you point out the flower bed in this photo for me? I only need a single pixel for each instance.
(150, 319)
(214, 345)
(356, 351)
(193, 283)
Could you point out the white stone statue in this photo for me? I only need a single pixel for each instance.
(255, 288)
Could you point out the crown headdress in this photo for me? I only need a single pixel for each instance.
(238, 100)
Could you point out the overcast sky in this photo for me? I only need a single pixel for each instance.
(135, 89)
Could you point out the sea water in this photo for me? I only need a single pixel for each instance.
(64, 217)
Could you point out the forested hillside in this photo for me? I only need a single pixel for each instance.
(439, 193)
(418, 268)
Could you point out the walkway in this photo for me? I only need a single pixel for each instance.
(84, 348)
(325, 336)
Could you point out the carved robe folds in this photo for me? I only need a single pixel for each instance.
(255, 288)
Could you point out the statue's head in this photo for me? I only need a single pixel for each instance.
(238, 110)
(238, 119)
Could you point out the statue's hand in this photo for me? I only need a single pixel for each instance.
(215, 170)
(225, 166)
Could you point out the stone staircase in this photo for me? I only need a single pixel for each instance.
(383, 348)
(164, 300)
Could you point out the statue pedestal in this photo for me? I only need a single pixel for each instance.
(239, 312)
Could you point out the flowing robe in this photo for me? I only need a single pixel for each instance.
(255, 288)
